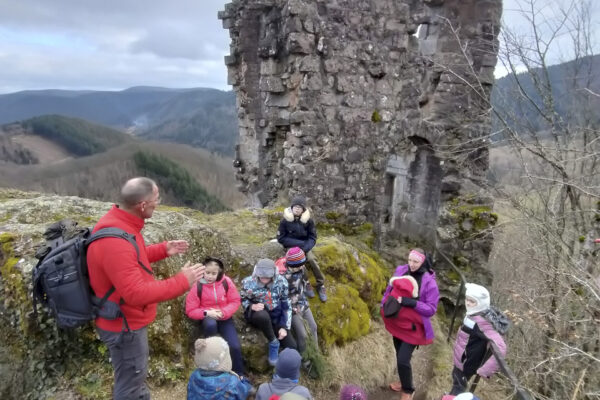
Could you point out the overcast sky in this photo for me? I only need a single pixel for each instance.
(113, 45)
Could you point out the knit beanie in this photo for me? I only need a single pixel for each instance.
(352, 392)
(265, 268)
(480, 295)
(291, 396)
(295, 256)
(212, 354)
(288, 364)
(299, 201)
(466, 396)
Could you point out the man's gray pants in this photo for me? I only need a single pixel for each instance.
(129, 358)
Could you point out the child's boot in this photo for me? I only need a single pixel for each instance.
(273, 352)
(309, 291)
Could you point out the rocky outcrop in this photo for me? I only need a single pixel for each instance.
(378, 111)
(36, 357)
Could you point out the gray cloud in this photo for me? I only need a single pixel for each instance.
(111, 44)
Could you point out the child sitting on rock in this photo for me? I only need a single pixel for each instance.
(287, 374)
(267, 306)
(298, 229)
(213, 379)
(295, 260)
(213, 300)
(483, 324)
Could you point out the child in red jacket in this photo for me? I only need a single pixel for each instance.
(404, 323)
(213, 300)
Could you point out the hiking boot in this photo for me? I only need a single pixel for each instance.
(309, 291)
(273, 352)
(322, 293)
(396, 386)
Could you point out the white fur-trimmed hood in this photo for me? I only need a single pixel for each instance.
(288, 215)
(413, 281)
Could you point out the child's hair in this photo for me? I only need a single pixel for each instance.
(219, 263)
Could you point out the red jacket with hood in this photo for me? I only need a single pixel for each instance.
(113, 262)
(407, 325)
(213, 296)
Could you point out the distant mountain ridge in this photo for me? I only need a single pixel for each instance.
(568, 82)
(201, 117)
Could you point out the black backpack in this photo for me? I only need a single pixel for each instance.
(61, 280)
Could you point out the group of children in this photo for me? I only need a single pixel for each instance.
(274, 300)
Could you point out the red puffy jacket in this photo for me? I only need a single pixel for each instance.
(113, 262)
(407, 325)
(215, 296)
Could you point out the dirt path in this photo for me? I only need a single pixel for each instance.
(421, 374)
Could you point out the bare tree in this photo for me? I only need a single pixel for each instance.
(546, 266)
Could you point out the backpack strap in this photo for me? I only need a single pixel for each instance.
(225, 285)
(118, 233)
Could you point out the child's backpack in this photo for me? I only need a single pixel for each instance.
(498, 319)
(61, 280)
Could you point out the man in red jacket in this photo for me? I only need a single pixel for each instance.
(113, 263)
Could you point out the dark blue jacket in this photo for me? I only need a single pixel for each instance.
(297, 231)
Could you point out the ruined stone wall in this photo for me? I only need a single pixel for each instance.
(374, 110)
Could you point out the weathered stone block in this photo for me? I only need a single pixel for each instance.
(271, 84)
(230, 60)
(310, 64)
(269, 67)
(312, 82)
(332, 65)
(301, 43)
(275, 100)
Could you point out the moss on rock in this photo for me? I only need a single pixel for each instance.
(48, 359)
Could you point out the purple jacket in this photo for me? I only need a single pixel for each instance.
(462, 338)
(429, 296)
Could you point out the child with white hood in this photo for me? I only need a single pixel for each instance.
(482, 324)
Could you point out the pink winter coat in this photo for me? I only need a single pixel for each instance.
(462, 338)
(213, 296)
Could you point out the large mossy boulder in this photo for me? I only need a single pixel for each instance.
(37, 359)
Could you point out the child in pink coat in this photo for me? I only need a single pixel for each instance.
(213, 300)
(482, 325)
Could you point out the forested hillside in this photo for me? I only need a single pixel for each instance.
(71, 156)
(199, 117)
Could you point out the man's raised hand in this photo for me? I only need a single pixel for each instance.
(177, 247)
(194, 272)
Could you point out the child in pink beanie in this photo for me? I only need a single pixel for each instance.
(352, 392)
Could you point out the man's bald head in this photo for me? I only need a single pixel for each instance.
(136, 190)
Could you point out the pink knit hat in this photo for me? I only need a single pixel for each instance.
(352, 392)
(295, 257)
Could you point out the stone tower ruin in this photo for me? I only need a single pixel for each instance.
(375, 110)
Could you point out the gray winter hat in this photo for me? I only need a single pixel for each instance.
(299, 201)
(265, 268)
